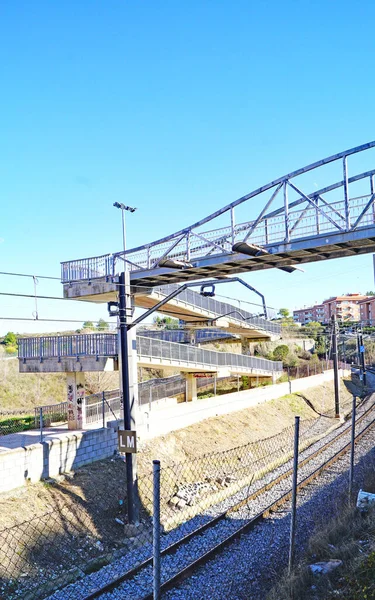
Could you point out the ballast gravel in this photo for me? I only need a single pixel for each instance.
(248, 566)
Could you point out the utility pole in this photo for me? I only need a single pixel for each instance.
(128, 401)
(335, 367)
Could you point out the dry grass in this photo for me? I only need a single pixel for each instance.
(26, 390)
(350, 537)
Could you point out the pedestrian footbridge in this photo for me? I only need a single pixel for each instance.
(99, 352)
(282, 224)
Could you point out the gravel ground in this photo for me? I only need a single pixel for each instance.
(238, 572)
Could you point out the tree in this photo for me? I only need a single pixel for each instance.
(313, 329)
(281, 352)
(370, 293)
(88, 325)
(284, 313)
(10, 339)
(102, 325)
(166, 322)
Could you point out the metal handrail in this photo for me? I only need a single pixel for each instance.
(59, 346)
(106, 345)
(152, 348)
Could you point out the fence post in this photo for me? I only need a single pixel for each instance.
(41, 424)
(156, 530)
(150, 399)
(351, 469)
(290, 383)
(215, 384)
(294, 496)
(238, 383)
(103, 408)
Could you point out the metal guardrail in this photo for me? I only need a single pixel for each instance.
(219, 308)
(106, 345)
(304, 223)
(182, 336)
(152, 348)
(52, 413)
(59, 346)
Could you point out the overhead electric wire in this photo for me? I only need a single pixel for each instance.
(45, 320)
(28, 275)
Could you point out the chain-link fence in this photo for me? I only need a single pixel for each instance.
(69, 527)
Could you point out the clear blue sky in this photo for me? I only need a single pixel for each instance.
(177, 108)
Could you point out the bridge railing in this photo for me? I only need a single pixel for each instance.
(182, 335)
(302, 223)
(220, 308)
(159, 349)
(59, 346)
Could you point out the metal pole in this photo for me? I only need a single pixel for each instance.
(41, 424)
(294, 496)
(238, 383)
(351, 469)
(290, 383)
(103, 408)
(215, 384)
(335, 367)
(130, 487)
(123, 233)
(156, 530)
(362, 356)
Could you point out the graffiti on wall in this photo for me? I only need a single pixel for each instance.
(70, 403)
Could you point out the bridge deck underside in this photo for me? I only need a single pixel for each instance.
(199, 316)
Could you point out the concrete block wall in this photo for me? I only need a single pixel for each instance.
(54, 456)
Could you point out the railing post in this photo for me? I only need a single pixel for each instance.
(41, 424)
(103, 408)
(156, 530)
(346, 193)
(286, 212)
(232, 223)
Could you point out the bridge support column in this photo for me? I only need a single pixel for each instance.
(191, 387)
(76, 400)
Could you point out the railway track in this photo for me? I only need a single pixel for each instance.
(233, 530)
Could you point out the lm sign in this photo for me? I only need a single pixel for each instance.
(127, 441)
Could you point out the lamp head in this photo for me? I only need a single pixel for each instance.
(124, 207)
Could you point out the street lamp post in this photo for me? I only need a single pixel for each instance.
(124, 208)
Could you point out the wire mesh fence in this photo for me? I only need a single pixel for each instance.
(79, 524)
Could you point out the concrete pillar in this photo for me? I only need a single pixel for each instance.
(76, 400)
(191, 387)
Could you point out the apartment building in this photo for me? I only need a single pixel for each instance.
(346, 308)
(367, 310)
(306, 315)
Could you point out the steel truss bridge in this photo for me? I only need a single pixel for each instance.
(304, 225)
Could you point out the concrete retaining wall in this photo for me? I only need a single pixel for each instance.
(54, 456)
(182, 415)
(69, 451)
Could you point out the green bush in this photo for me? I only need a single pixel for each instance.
(281, 352)
(13, 424)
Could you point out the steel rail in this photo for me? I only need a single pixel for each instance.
(176, 545)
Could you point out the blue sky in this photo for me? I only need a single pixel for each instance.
(177, 108)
